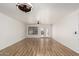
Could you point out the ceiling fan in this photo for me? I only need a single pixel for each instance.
(25, 7)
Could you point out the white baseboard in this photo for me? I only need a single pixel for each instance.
(11, 43)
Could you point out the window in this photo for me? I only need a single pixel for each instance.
(32, 30)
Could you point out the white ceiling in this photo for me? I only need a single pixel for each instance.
(46, 13)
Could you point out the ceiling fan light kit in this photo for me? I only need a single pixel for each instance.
(25, 7)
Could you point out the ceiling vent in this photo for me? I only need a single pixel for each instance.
(25, 7)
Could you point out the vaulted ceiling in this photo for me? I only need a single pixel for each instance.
(46, 13)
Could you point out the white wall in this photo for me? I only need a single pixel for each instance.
(64, 31)
(44, 26)
(11, 31)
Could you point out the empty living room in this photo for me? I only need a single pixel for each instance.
(39, 29)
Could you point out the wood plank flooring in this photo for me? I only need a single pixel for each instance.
(37, 47)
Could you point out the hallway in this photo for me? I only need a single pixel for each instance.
(57, 23)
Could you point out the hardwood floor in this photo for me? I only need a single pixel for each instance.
(37, 47)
